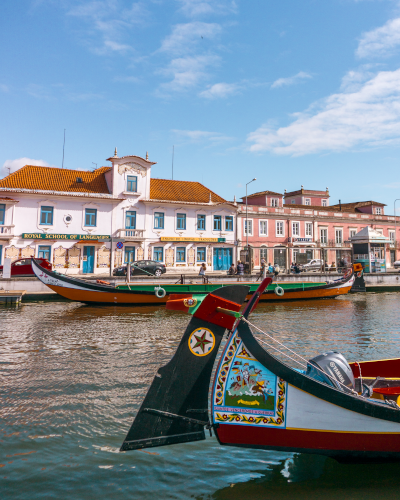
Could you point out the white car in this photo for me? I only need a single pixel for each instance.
(313, 265)
(396, 264)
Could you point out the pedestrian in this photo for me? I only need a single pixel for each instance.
(270, 268)
(240, 270)
(333, 267)
(262, 269)
(232, 270)
(203, 268)
(276, 270)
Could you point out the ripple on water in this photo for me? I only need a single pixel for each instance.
(73, 377)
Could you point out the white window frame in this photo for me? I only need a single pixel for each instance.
(277, 233)
(250, 221)
(262, 249)
(324, 202)
(275, 202)
(307, 201)
(338, 230)
(297, 235)
(392, 235)
(378, 210)
(308, 225)
(323, 229)
(266, 227)
(352, 230)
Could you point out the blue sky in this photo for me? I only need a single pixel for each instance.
(291, 92)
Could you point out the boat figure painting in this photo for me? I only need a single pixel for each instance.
(159, 292)
(265, 395)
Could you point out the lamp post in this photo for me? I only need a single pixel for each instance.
(395, 234)
(247, 223)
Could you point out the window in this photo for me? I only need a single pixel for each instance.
(378, 211)
(292, 202)
(217, 222)
(180, 221)
(264, 253)
(380, 231)
(391, 236)
(44, 252)
(229, 223)
(131, 184)
(129, 255)
(263, 228)
(308, 201)
(2, 215)
(309, 230)
(46, 216)
(158, 254)
(324, 203)
(352, 232)
(158, 220)
(338, 236)
(130, 220)
(249, 224)
(274, 202)
(181, 254)
(323, 236)
(90, 217)
(201, 254)
(201, 222)
(279, 228)
(295, 228)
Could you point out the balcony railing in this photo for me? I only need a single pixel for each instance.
(131, 234)
(6, 231)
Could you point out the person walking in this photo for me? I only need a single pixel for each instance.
(276, 270)
(240, 270)
(262, 269)
(270, 268)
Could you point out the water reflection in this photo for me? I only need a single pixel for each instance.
(74, 375)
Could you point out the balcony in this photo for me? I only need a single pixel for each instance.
(131, 234)
(6, 232)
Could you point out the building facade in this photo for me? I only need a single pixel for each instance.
(90, 222)
(279, 226)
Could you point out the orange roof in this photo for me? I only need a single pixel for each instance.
(187, 191)
(57, 179)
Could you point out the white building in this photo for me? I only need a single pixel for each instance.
(82, 221)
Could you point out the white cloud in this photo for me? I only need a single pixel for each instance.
(187, 72)
(185, 36)
(196, 8)
(367, 117)
(201, 135)
(10, 166)
(220, 90)
(380, 42)
(291, 80)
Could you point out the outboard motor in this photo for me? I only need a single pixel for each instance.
(332, 369)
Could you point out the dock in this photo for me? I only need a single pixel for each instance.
(11, 296)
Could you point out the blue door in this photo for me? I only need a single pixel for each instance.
(88, 260)
(222, 259)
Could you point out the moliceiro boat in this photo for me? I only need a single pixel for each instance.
(265, 395)
(158, 292)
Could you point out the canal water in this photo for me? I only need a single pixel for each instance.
(73, 376)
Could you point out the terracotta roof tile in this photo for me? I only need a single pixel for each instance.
(261, 193)
(57, 179)
(188, 191)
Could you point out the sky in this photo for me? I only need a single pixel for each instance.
(288, 92)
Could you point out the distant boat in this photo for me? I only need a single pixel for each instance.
(349, 412)
(158, 292)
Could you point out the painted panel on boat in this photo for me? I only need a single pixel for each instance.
(245, 392)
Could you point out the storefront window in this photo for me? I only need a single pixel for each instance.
(201, 254)
(181, 254)
(180, 221)
(2, 214)
(158, 254)
(90, 217)
(44, 252)
(264, 253)
(158, 220)
(201, 222)
(130, 220)
(46, 216)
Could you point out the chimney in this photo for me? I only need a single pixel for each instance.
(340, 205)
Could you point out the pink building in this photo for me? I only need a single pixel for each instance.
(282, 225)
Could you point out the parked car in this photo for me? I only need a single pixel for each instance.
(23, 267)
(313, 265)
(396, 264)
(142, 267)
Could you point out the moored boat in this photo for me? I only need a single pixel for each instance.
(265, 395)
(158, 292)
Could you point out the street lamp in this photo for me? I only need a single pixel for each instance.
(395, 234)
(247, 222)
